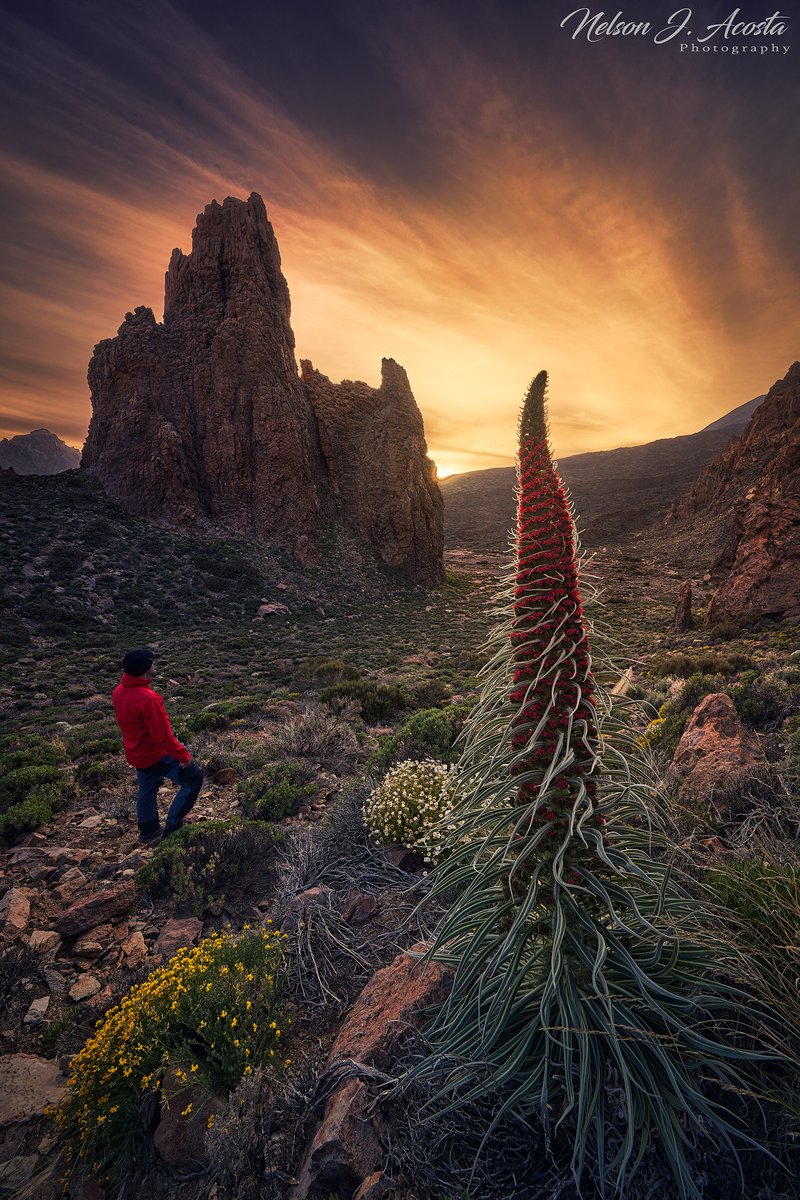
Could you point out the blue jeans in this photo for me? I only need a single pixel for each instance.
(190, 778)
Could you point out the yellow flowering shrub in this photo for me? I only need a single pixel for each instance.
(213, 1006)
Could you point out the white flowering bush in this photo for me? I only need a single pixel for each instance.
(410, 804)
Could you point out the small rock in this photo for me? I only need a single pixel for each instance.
(41, 941)
(15, 911)
(94, 942)
(224, 776)
(93, 822)
(176, 934)
(37, 1011)
(345, 1150)
(72, 883)
(359, 907)
(135, 950)
(296, 909)
(374, 1188)
(410, 861)
(16, 1172)
(84, 987)
(714, 751)
(55, 981)
(93, 910)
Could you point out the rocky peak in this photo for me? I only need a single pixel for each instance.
(384, 485)
(39, 452)
(203, 420)
(755, 485)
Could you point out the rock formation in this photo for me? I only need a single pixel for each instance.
(203, 421)
(39, 452)
(755, 485)
(383, 484)
(714, 754)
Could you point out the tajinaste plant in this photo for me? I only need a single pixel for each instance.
(582, 968)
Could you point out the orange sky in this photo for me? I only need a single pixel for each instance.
(533, 250)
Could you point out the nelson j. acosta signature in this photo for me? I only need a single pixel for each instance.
(597, 26)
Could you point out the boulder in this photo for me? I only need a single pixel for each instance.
(186, 1108)
(389, 1007)
(84, 987)
(345, 1150)
(15, 911)
(96, 909)
(28, 1085)
(714, 751)
(176, 934)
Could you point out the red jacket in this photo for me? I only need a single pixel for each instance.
(146, 732)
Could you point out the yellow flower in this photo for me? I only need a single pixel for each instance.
(210, 1121)
(223, 1014)
(187, 1110)
(234, 1023)
(194, 1067)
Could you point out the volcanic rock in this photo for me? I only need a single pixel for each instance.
(176, 934)
(15, 911)
(683, 608)
(383, 483)
(96, 909)
(389, 1007)
(28, 1084)
(345, 1150)
(715, 749)
(755, 485)
(180, 1137)
(203, 422)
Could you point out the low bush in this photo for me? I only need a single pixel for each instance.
(409, 805)
(318, 672)
(222, 713)
(320, 735)
(215, 1006)
(32, 786)
(376, 700)
(277, 790)
(208, 863)
(428, 733)
(702, 662)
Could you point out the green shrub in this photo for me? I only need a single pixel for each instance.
(409, 805)
(319, 735)
(317, 671)
(377, 700)
(702, 662)
(428, 733)
(208, 863)
(32, 786)
(277, 790)
(214, 1007)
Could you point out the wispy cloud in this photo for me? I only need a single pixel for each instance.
(535, 242)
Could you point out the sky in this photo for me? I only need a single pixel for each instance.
(477, 190)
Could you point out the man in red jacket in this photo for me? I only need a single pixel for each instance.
(152, 748)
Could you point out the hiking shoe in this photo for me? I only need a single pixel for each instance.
(150, 839)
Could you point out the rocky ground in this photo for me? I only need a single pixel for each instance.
(81, 924)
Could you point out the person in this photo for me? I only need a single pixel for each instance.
(152, 748)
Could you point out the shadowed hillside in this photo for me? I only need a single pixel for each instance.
(615, 492)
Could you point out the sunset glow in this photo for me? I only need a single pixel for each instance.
(646, 266)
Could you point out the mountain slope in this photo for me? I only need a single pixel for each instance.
(615, 492)
(39, 452)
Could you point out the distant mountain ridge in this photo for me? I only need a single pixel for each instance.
(615, 492)
(39, 452)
